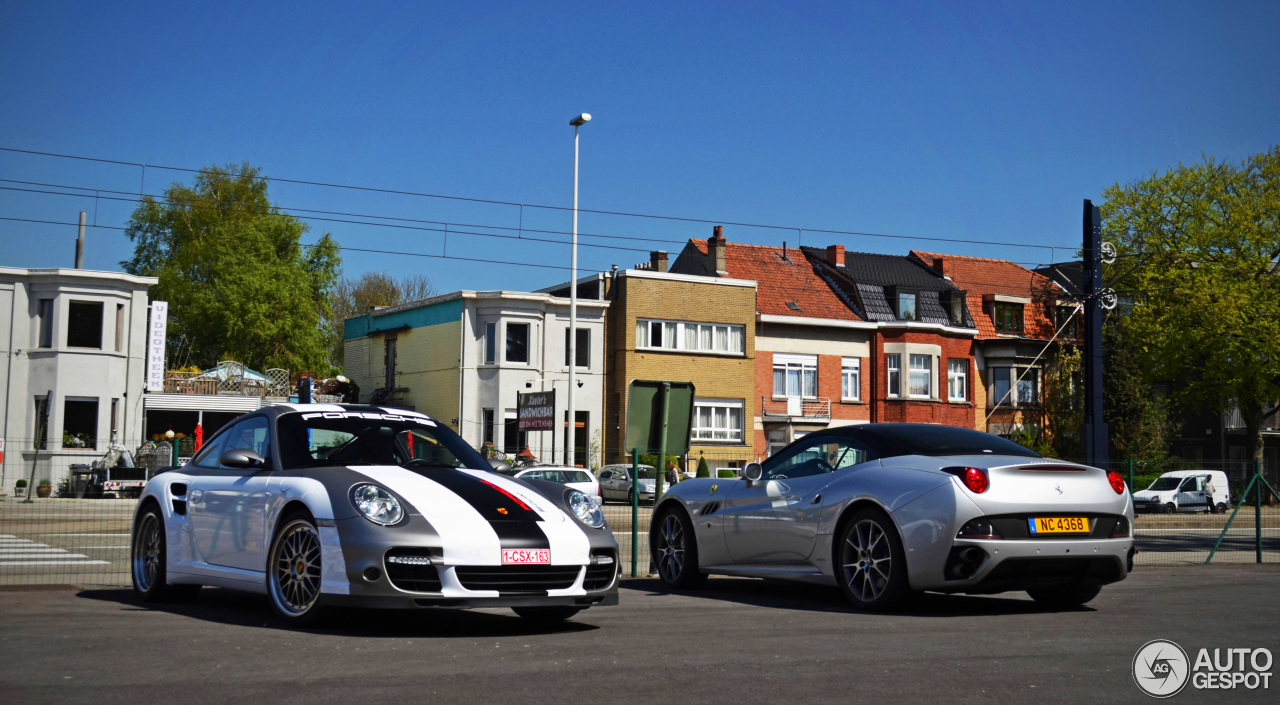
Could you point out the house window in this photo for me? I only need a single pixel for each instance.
(957, 378)
(717, 420)
(486, 426)
(41, 430)
(84, 324)
(80, 423)
(851, 379)
(921, 375)
(795, 376)
(46, 323)
(115, 416)
(513, 439)
(583, 350)
(690, 337)
(119, 327)
(490, 343)
(895, 374)
(953, 302)
(1000, 386)
(518, 342)
(1028, 390)
(1068, 324)
(1008, 317)
(906, 301)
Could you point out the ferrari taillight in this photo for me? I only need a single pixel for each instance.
(975, 479)
(1117, 482)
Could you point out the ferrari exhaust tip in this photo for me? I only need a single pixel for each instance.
(964, 562)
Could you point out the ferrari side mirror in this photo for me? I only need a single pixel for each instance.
(753, 472)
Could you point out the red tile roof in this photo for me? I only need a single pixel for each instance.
(978, 276)
(781, 280)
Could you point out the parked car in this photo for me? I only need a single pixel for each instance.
(615, 483)
(577, 478)
(1184, 491)
(882, 510)
(325, 504)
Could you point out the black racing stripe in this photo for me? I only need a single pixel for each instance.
(520, 534)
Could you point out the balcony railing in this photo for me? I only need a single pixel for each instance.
(229, 378)
(795, 407)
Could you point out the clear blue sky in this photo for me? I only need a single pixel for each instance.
(972, 120)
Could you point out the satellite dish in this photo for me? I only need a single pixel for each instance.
(1108, 253)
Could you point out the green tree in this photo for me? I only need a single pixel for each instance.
(1199, 246)
(239, 282)
(354, 297)
(1140, 422)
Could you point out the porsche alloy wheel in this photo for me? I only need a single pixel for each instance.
(872, 571)
(148, 562)
(675, 550)
(294, 570)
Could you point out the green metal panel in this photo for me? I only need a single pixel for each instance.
(644, 416)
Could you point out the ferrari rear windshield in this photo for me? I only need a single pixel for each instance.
(313, 439)
(919, 439)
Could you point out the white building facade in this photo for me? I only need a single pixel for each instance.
(72, 377)
(463, 358)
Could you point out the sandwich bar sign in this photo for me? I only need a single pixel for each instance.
(536, 411)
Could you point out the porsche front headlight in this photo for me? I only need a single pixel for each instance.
(376, 504)
(585, 508)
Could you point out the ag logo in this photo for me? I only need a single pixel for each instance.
(1161, 668)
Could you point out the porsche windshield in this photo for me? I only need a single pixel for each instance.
(371, 438)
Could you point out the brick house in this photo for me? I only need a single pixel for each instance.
(1016, 312)
(663, 325)
(922, 350)
(810, 348)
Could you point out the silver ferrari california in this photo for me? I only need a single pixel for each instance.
(883, 510)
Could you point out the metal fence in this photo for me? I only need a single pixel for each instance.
(62, 540)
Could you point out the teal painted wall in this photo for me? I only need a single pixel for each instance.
(421, 317)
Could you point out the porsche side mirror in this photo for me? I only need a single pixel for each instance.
(500, 466)
(241, 458)
(753, 472)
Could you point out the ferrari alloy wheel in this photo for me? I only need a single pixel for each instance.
(148, 564)
(293, 573)
(1065, 597)
(674, 550)
(873, 573)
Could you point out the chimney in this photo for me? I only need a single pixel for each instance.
(939, 266)
(658, 260)
(715, 252)
(835, 255)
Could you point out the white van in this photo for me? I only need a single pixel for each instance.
(1184, 491)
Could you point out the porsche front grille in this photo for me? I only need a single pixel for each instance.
(604, 565)
(518, 579)
(409, 569)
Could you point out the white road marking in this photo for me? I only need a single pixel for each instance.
(86, 562)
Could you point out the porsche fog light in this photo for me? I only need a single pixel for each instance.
(585, 508)
(376, 504)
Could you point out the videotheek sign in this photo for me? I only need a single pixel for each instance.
(155, 345)
(536, 411)
(1162, 669)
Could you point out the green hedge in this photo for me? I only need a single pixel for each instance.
(726, 473)
(703, 470)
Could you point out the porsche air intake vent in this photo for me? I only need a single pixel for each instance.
(517, 579)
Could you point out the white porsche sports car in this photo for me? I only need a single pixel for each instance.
(885, 509)
(326, 504)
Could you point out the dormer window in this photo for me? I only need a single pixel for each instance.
(1008, 317)
(903, 302)
(1067, 324)
(953, 303)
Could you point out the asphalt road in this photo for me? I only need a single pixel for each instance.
(740, 641)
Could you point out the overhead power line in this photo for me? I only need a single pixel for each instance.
(514, 204)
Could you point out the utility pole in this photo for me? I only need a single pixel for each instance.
(1095, 429)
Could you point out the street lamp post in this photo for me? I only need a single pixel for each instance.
(577, 122)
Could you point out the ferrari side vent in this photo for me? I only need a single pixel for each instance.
(709, 508)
